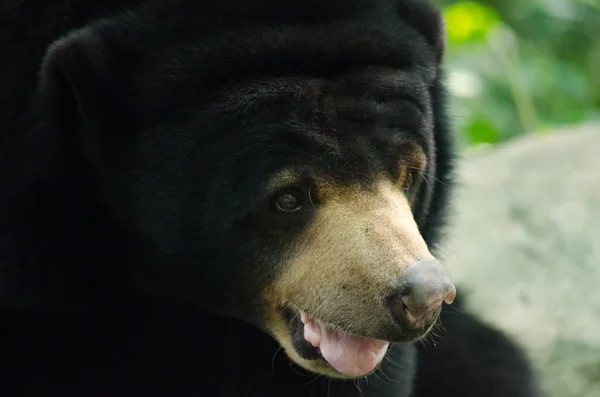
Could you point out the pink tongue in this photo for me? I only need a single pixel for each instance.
(350, 355)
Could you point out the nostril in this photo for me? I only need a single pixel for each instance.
(416, 309)
(450, 294)
(409, 309)
(398, 308)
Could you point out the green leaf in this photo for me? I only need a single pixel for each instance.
(469, 21)
(480, 130)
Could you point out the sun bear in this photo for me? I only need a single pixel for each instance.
(231, 198)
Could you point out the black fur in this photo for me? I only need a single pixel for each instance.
(133, 154)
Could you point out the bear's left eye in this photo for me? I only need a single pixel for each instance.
(289, 202)
(408, 181)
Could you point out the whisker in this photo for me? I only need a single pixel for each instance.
(273, 360)
(310, 198)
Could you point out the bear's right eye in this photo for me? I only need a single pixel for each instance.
(289, 202)
(408, 181)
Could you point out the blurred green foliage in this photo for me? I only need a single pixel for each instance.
(520, 66)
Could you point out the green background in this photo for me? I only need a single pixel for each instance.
(521, 66)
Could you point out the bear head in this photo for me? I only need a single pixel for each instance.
(280, 163)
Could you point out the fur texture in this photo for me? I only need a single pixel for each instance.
(141, 147)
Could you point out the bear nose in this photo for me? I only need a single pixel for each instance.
(417, 300)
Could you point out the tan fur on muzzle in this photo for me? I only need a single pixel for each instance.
(347, 261)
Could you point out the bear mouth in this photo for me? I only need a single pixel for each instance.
(348, 354)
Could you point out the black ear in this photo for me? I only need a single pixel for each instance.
(74, 80)
(427, 20)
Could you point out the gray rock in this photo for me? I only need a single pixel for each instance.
(525, 245)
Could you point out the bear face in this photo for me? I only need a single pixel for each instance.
(280, 174)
